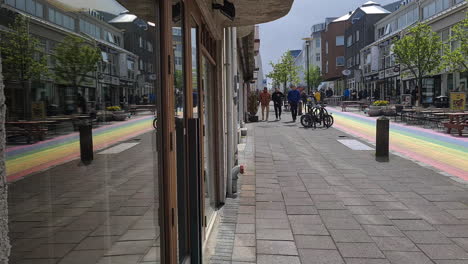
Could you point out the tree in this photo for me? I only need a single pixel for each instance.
(456, 58)
(419, 51)
(315, 76)
(285, 71)
(23, 61)
(75, 58)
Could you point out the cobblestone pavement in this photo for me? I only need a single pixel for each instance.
(307, 198)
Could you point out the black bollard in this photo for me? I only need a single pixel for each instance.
(86, 143)
(382, 139)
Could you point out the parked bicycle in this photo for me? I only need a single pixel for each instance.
(317, 116)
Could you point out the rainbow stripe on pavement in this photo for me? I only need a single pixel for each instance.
(28, 159)
(441, 151)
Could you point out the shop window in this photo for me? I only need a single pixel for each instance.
(340, 61)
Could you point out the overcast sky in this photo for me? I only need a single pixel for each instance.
(286, 33)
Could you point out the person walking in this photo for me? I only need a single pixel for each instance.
(304, 101)
(277, 98)
(265, 99)
(318, 96)
(293, 98)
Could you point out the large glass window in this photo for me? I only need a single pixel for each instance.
(340, 61)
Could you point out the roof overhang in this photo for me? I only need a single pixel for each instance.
(248, 12)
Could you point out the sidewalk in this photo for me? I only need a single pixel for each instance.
(307, 198)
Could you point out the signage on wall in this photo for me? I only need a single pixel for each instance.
(346, 72)
(457, 101)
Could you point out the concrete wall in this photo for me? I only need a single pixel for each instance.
(4, 241)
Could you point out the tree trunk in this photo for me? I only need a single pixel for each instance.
(420, 91)
(4, 241)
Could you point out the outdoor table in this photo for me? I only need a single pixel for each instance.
(407, 113)
(456, 121)
(30, 129)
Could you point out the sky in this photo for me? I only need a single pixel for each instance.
(287, 32)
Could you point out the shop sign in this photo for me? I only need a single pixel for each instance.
(115, 80)
(407, 75)
(391, 72)
(382, 75)
(38, 110)
(457, 101)
(89, 82)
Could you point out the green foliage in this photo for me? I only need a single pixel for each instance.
(419, 51)
(22, 58)
(75, 58)
(252, 103)
(285, 71)
(315, 77)
(456, 59)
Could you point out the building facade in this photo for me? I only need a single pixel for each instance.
(50, 23)
(384, 77)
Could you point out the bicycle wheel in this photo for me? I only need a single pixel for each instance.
(306, 120)
(328, 121)
(155, 123)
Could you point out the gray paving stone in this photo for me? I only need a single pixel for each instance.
(350, 236)
(245, 228)
(373, 220)
(129, 248)
(341, 223)
(460, 214)
(274, 234)
(314, 242)
(277, 259)
(375, 230)
(82, 256)
(402, 215)
(404, 257)
(359, 250)
(335, 213)
(136, 235)
(462, 242)
(244, 240)
(246, 219)
(271, 214)
(364, 210)
(412, 225)
(271, 247)
(130, 259)
(427, 237)
(395, 244)
(316, 256)
(301, 210)
(244, 254)
(330, 206)
(270, 206)
(50, 251)
(444, 251)
(272, 223)
(365, 261)
(102, 242)
(454, 230)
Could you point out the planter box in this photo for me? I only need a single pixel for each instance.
(374, 110)
(119, 115)
(253, 118)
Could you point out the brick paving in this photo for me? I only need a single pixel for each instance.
(306, 198)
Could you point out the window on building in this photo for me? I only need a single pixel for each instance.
(140, 66)
(459, 1)
(446, 4)
(349, 41)
(326, 47)
(357, 35)
(326, 67)
(340, 61)
(317, 42)
(317, 56)
(429, 10)
(30, 7)
(10, 2)
(21, 4)
(339, 41)
(149, 46)
(140, 39)
(39, 10)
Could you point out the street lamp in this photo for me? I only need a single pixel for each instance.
(307, 40)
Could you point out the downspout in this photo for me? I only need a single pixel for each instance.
(229, 90)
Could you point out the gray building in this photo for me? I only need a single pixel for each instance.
(50, 23)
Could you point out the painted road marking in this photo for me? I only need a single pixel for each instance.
(354, 144)
(119, 148)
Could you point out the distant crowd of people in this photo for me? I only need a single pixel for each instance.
(294, 98)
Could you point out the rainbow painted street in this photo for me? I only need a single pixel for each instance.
(444, 152)
(28, 159)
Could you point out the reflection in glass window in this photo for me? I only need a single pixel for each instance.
(339, 40)
(39, 10)
(30, 7)
(21, 4)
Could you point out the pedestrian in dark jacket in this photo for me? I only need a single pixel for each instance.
(277, 98)
(293, 98)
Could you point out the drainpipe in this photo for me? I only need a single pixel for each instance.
(229, 91)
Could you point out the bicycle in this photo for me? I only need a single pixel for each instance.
(317, 114)
(155, 122)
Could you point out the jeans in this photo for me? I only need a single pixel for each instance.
(293, 106)
(278, 110)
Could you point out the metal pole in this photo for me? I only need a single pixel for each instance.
(382, 139)
(308, 68)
